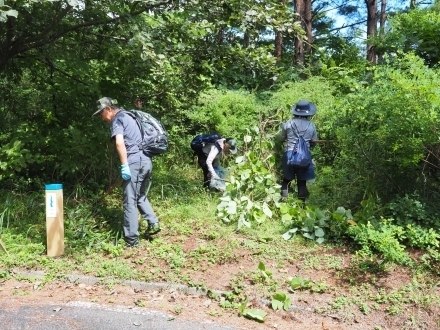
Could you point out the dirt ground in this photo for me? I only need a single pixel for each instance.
(303, 313)
(175, 303)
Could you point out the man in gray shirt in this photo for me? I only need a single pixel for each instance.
(136, 168)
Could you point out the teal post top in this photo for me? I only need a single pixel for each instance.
(54, 186)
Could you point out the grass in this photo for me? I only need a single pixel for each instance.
(193, 241)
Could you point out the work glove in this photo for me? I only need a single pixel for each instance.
(125, 171)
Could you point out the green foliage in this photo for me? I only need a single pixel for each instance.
(263, 270)
(410, 209)
(431, 260)
(248, 196)
(313, 222)
(281, 301)
(413, 31)
(420, 237)
(385, 133)
(298, 283)
(382, 238)
(252, 313)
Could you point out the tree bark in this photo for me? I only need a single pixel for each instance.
(371, 28)
(308, 25)
(279, 41)
(299, 58)
(382, 20)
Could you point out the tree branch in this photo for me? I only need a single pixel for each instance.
(62, 72)
(342, 27)
(21, 46)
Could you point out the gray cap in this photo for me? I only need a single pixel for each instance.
(104, 102)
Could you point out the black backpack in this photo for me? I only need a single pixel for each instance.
(203, 139)
(155, 138)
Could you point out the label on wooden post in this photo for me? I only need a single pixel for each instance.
(51, 207)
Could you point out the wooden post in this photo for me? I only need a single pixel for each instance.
(54, 219)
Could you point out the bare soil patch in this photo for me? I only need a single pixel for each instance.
(310, 310)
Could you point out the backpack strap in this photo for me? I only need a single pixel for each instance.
(132, 115)
(141, 129)
(298, 129)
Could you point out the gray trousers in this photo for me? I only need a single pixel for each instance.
(134, 200)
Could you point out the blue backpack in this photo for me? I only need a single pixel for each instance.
(300, 156)
(203, 139)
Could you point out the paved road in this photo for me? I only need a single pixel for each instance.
(91, 316)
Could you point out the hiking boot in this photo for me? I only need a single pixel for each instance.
(284, 194)
(132, 245)
(153, 229)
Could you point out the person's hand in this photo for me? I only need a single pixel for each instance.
(125, 172)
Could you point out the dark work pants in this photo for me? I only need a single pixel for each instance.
(201, 160)
(301, 185)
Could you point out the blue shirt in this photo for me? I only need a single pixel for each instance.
(124, 124)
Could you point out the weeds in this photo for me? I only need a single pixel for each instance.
(194, 240)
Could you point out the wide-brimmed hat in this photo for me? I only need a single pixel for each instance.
(104, 102)
(303, 108)
(232, 144)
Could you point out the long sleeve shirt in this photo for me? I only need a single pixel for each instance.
(214, 156)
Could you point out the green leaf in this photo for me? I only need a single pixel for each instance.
(72, 3)
(287, 303)
(277, 304)
(309, 236)
(281, 296)
(232, 207)
(320, 240)
(11, 12)
(288, 234)
(242, 307)
(267, 210)
(239, 159)
(296, 283)
(255, 314)
(286, 217)
(319, 232)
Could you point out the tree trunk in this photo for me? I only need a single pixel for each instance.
(298, 58)
(308, 25)
(279, 41)
(371, 28)
(383, 18)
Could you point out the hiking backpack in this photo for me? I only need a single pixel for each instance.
(203, 139)
(300, 156)
(155, 138)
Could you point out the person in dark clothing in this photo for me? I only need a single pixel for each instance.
(208, 158)
(300, 124)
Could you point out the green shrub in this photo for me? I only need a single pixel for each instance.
(382, 238)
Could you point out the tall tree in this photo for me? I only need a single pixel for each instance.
(308, 25)
(382, 20)
(279, 40)
(371, 28)
(299, 57)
